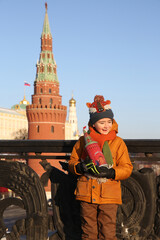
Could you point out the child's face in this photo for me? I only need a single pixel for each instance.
(103, 125)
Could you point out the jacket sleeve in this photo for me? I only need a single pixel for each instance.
(123, 168)
(76, 155)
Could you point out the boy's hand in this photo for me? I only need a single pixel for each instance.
(99, 172)
(89, 167)
(106, 172)
(85, 167)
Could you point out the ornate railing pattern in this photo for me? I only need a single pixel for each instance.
(137, 223)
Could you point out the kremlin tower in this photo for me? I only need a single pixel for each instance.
(46, 115)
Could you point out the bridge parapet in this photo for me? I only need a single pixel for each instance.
(29, 189)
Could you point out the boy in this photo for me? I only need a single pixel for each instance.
(98, 188)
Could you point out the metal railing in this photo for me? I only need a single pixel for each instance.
(21, 148)
(27, 185)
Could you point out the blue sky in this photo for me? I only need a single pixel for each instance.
(105, 47)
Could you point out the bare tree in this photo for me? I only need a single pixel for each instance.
(21, 134)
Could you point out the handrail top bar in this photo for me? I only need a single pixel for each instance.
(65, 146)
(72, 141)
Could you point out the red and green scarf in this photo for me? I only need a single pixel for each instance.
(102, 140)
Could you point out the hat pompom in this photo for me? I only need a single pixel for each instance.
(99, 105)
(99, 109)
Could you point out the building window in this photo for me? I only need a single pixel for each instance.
(38, 128)
(52, 129)
(41, 90)
(51, 100)
(49, 90)
(39, 100)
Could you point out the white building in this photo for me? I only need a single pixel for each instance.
(12, 120)
(71, 125)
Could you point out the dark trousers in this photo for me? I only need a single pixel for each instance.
(98, 221)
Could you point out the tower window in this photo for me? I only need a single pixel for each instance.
(41, 90)
(51, 100)
(39, 100)
(52, 129)
(38, 128)
(49, 69)
(49, 90)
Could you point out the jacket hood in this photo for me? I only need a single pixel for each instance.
(114, 126)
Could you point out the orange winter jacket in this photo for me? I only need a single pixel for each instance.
(88, 189)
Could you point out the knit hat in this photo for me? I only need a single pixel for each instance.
(99, 109)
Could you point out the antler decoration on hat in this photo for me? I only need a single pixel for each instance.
(99, 105)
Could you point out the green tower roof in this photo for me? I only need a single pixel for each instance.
(46, 66)
(46, 27)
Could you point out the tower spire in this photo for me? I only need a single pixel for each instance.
(46, 66)
(46, 28)
(46, 6)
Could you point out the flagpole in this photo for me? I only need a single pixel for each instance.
(24, 90)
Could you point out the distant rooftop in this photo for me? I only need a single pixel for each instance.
(9, 111)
